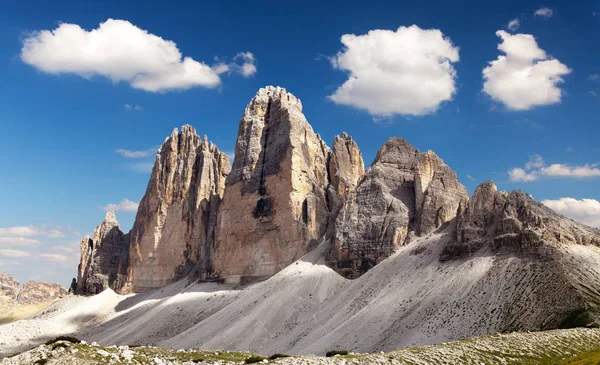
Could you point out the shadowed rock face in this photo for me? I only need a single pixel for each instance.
(275, 206)
(404, 193)
(513, 222)
(104, 258)
(174, 228)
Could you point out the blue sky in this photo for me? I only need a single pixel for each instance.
(63, 120)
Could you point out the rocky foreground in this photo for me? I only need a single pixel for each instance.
(574, 346)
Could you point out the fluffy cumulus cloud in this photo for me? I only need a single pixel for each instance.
(408, 71)
(120, 51)
(586, 211)
(125, 205)
(525, 76)
(536, 168)
(514, 24)
(544, 12)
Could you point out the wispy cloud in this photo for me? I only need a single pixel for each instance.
(136, 154)
(7, 252)
(27, 236)
(536, 168)
(586, 211)
(470, 177)
(513, 24)
(53, 257)
(133, 107)
(544, 12)
(125, 205)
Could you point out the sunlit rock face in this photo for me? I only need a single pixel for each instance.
(275, 207)
(174, 227)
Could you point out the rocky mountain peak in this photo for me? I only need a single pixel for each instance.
(32, 291)
(275, 205)
(404, 194)
(286, 192)
(396, 150)
(110, 219)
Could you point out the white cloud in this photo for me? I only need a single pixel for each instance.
(247, 68)
(536, 169)
(514, 24)
(25, 231)
(470, 177)
(133, 107)
(586, 211)
(24, 235)
(18, 241)
(535, 162)
(544, 12)
(119, 51)
(53, 257)
(526, 76)
(136, 154)
(13, 253)
(125, 205)
(408, 71)
(595, 77)
(54, 233)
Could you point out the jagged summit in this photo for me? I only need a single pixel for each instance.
(111, 218)
(287, 191)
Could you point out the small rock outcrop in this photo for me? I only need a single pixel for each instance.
(36, 292)
(104, 258)
(404, 193)
(275, 206)
(512, 222)
(9, 288)
(173, 231)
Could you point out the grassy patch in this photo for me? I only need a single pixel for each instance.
(277, 356)
(336, 352)
(16, 312)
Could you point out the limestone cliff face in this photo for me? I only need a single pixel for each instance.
(275, 206)
(513, 223)
(9, 288)
(404, 193)
(174, 227)
(31, 293)
(36, 292)
(346, 167)
(104, 258)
